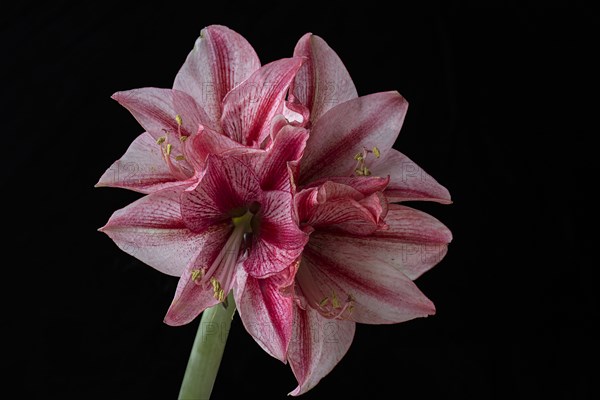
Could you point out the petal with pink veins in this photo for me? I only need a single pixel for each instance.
(157, 109)
(267, 314)
(340, 214)
(142, 168)
(228, 186)
(206, 142)
(221, 59)
(249, 108)
(351, 284)
(317, 345)
(366, 185)
(194, 295)
(348, 129)
(323, 81)
(152, 230)
(407, 180)
(277, 240)
(288, 146)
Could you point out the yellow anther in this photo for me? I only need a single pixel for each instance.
(180, 157)
(218, 291)
(178, 119)
(358, 172)
(359, 157)
(197, 274)
(161, 140)
(183, 138)
(376, 152)
(366, 171)
(335, 301)
(323, 302)
(169, 147)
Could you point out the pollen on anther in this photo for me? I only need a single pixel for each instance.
(376, 152)
(169, 147)
(335, 301)
(359, 157)
(161, 140)
(183, 138)
(178, 119)
(180, 157)
(323, 302)
(197, 274)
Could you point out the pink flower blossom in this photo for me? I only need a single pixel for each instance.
(216, 162)
(364, 252)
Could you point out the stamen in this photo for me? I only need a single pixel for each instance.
(178, 119)
(323, 302)
(360, 169)
(197, 274)
(168, 151)
(183, 138)
(161, 140)
(335, 301)
(180, 157)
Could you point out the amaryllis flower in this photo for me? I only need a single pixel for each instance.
(364, 252)
(240, 213)
(221, 88)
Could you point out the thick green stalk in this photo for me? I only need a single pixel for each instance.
(207, 352)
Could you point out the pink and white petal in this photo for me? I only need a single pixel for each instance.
(157, 109)
(228, 186)
(278, 241)
(142, 168)
(266, 313)
(220, 60)
(329, 191)
(366, 185)
(351, 285)
(194, 296)
(296, 113)
(323, 81)
(288, 146)
(340, 215)
(317, 345)
(349, 128)
(205, 142)
(407, 180)
(249, 108)
(151, 229)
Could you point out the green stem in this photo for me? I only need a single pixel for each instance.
(207, 351)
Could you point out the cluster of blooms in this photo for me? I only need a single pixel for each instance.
(279, 183)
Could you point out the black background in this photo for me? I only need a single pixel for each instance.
(499, 113)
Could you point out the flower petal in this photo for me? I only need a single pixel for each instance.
(412, 243)
(323, 81)
(157, 109)
(249, 108)
(350, 285)
(151, 229)
(347, 129)
(317, 345)
(193, 297)
(266, 313)
(277, 241)
(228, 185)
(142, 168)
(407, 180)
(337, 207)
(206, 142)
(220, 60)
(287, 147)
(366, 185)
